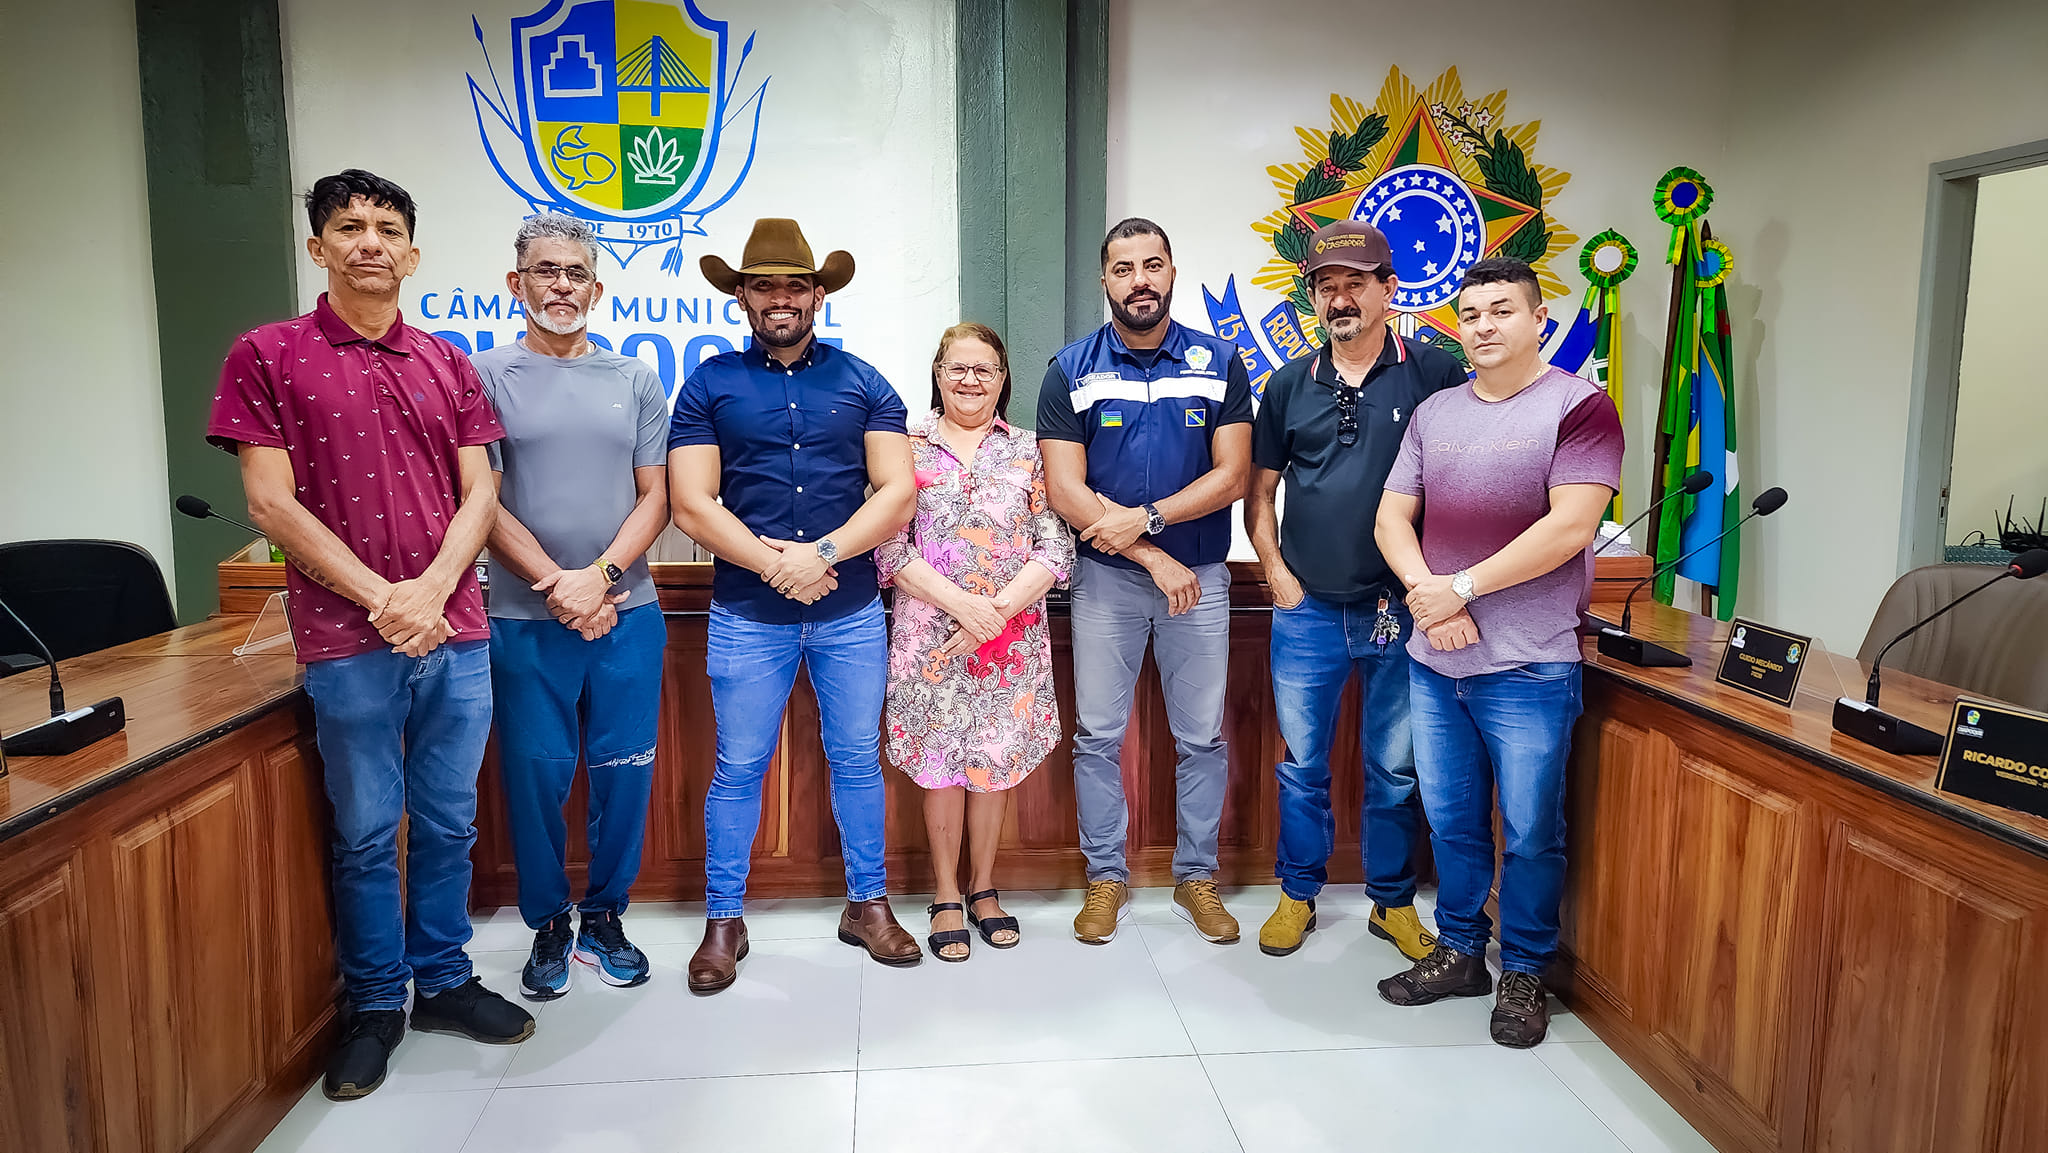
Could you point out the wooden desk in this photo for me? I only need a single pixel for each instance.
(165, 925)
(1792, 936)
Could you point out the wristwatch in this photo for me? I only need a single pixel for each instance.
(1154, 523)
(612, 573)
(828, 551)
(1461, 583)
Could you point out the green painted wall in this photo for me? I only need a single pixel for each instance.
(1034, 130)
(222, 232)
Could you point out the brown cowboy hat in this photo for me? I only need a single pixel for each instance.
(777, 248)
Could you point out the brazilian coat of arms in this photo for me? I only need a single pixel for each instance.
(1446, 178)
(624, 113)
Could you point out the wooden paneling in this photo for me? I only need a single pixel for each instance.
(1920, 967)
(1792, 958)
(168, 948)
(1619, 833)
(300, 910)
(50, 1066)
(1731, 930)
(183, 877)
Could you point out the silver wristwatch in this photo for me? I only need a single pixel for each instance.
(1154, 523)
(827, 550)
(1461, 583)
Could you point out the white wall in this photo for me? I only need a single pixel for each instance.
(1837, 113)
(2002, 402)
(857, 143)
(81, 404)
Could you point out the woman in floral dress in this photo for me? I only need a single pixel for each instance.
(970, 708)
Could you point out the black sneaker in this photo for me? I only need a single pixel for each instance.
(472, 1011)
(546, 975)
(1521, 1014)
(1444, 973)
(358, 1064)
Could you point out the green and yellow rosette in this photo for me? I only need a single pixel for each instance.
(1681, 200)
(1714, 265)
(1606, 261)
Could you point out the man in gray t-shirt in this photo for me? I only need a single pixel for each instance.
(1509, 476)
(576, 637)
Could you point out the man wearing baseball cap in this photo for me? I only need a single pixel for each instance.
(1331, 426)
(771, 454)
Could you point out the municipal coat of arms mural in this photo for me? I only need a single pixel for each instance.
(626, 113)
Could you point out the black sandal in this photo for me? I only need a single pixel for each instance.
(990, 926)
(942, 937)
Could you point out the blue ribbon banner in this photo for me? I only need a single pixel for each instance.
(1226, 320)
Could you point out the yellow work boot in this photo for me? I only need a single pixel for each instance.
(1102, 910)
(1404, 929)
(1198, 905)
(1290, 923)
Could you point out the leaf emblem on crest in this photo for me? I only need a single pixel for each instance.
(656, 159)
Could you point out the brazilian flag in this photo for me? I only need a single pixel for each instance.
(1696, 424)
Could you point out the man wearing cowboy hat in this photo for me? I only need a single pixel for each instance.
(771, 452)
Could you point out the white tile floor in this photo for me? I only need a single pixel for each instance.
(1157, 1041)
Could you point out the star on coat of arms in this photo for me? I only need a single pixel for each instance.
(1447, 179)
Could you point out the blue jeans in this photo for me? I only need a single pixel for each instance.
(559, 695)
(1317, 646)
(1508, 732)
(402, 737)
(753, 667)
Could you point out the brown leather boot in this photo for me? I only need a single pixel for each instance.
(870, 925)
(716, 963)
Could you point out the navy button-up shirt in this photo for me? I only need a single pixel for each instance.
(1147, 419)
(793, 461)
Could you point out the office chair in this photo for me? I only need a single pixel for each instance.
(80, 596)
(1991, 646)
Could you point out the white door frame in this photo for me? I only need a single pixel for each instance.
(1938, 341)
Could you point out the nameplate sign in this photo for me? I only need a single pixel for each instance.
(1996, 753)
(1762, 660)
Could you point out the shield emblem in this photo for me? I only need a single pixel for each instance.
(620, 102)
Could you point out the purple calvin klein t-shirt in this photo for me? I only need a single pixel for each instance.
(1484, 470)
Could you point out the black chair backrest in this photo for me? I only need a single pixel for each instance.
(81, 596)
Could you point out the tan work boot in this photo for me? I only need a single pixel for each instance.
(1404, 929)
(1198, 905)
(1102, 910)
(1290, 923)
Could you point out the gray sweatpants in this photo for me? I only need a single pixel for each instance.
(1115, 611)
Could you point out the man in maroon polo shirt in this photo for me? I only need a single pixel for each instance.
(361, 442)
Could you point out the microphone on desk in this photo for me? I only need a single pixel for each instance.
(67, 731)
(198, 509)
(1694, 485)
(1864, 721)
(1617, 643)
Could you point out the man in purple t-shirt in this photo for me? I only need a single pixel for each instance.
(1510, 476)
(361, 441)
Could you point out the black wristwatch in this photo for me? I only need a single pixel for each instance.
(1154, 523)
(613, 574)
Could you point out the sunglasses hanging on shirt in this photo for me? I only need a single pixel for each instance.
(1347, 415)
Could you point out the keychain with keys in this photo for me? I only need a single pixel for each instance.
(1385, 629)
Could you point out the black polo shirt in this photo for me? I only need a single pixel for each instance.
(1333, 492)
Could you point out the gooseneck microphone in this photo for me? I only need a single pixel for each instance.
(67, 731)
(1617, 643)
(1694, 485)
(1864, 721)
(198, 509)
